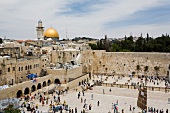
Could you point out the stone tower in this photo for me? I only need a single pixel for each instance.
(40, 30)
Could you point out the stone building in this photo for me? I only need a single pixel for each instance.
(68, 63)
(125, 63)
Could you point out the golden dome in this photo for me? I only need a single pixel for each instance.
(51, 33)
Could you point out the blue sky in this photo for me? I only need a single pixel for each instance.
(152, 15)
(91, 18)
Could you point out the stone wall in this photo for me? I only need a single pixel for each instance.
(126, 63)
(64, 74)
(43, 81)
(13, 70)
(12, 91)
(78, 81)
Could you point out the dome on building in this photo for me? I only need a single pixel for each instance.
(51, 33)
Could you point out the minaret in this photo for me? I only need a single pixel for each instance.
(40, 30)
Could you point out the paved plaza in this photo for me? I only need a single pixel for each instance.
(125, 97)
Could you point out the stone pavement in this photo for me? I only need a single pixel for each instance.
(125, 97)
(125, 79)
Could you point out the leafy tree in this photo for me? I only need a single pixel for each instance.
(10, 109)
(146, 69)
(93, 46)
(0, 40)
(115, 48)
(148, 44)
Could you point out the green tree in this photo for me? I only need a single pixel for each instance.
(0, 40)
(115, 48)
(146, 69)
(10, 109)
(93, 46)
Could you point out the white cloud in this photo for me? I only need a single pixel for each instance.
(19, 18)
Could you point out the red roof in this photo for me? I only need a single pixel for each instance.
(29, 40)
(20, 41)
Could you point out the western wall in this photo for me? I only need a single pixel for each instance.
(130, 62)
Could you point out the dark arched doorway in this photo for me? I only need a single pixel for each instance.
(82, 82)
(19, 94)
(33, 88)
(26, 91)
(57, 81)
(49, 82)
(79, 83)
(44, 83)
(39, 86)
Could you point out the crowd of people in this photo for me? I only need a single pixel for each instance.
(154, 110)
(54, 103)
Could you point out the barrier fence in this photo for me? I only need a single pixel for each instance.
(163, 89)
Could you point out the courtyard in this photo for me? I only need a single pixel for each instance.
(107, 96)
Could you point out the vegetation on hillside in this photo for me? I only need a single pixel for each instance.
(148, 44)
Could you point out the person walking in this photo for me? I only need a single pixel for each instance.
(81, 100)
(98, 103)
(130, 108)
(90, 106)
(91, 96)
(84, 100)
(122, 110)
(112, 105)
(166, 110)
(83, 92)
(76, 110)
(78, 95)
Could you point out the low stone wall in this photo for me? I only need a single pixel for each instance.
(76, 82)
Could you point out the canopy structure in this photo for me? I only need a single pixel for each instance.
(31, 76)
(3, 87)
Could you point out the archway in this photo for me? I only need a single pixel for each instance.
(57, 81)
(26, 91)
(49, 82)
(19, 94)
(82, 82)
(33, 88)
(39, 86)
(44, 83)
